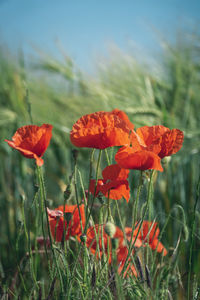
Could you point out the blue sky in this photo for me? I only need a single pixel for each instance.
(86, 27)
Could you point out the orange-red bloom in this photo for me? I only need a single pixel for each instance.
(101, 130)
(114, 183)
(72, 221)
(148, 234)
(149, 146)
(32, 141)
(160, 139)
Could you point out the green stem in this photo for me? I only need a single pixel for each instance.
(44, 207)
(94, 196)
(109, 210)
(90, 176)
(135, 206)
(149, 196)
(192, 238)
(76, 193)
(107, 157)
(27, 235)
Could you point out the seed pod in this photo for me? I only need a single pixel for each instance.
(110, 229)
(67, 192)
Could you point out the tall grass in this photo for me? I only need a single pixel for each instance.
(59, 93)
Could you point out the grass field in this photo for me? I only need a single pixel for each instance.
(165, 92)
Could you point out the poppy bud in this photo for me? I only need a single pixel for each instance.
(83, 238)
(67, 192)
(110, 229)
(166, 160)
(68, 216)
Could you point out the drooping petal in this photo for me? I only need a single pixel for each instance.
(127, 158)
(116, 190)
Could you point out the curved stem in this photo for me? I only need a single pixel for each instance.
(192, 237)
(44, 207)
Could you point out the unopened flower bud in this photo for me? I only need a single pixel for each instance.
(83, 238)
(67, 192)
(68, 216)
(110, 229)
(166, 160)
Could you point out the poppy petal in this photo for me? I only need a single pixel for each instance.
(100, 130)
(171, 142)
(114, 172)
(127, 158)
(149, 134)
(122, 115)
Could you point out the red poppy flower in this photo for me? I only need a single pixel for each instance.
(130, 158)
(72, 224)
(147, 235)
(101, 130)
(32, 141)
(149, 145)
(114, 183)
(160, 139)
